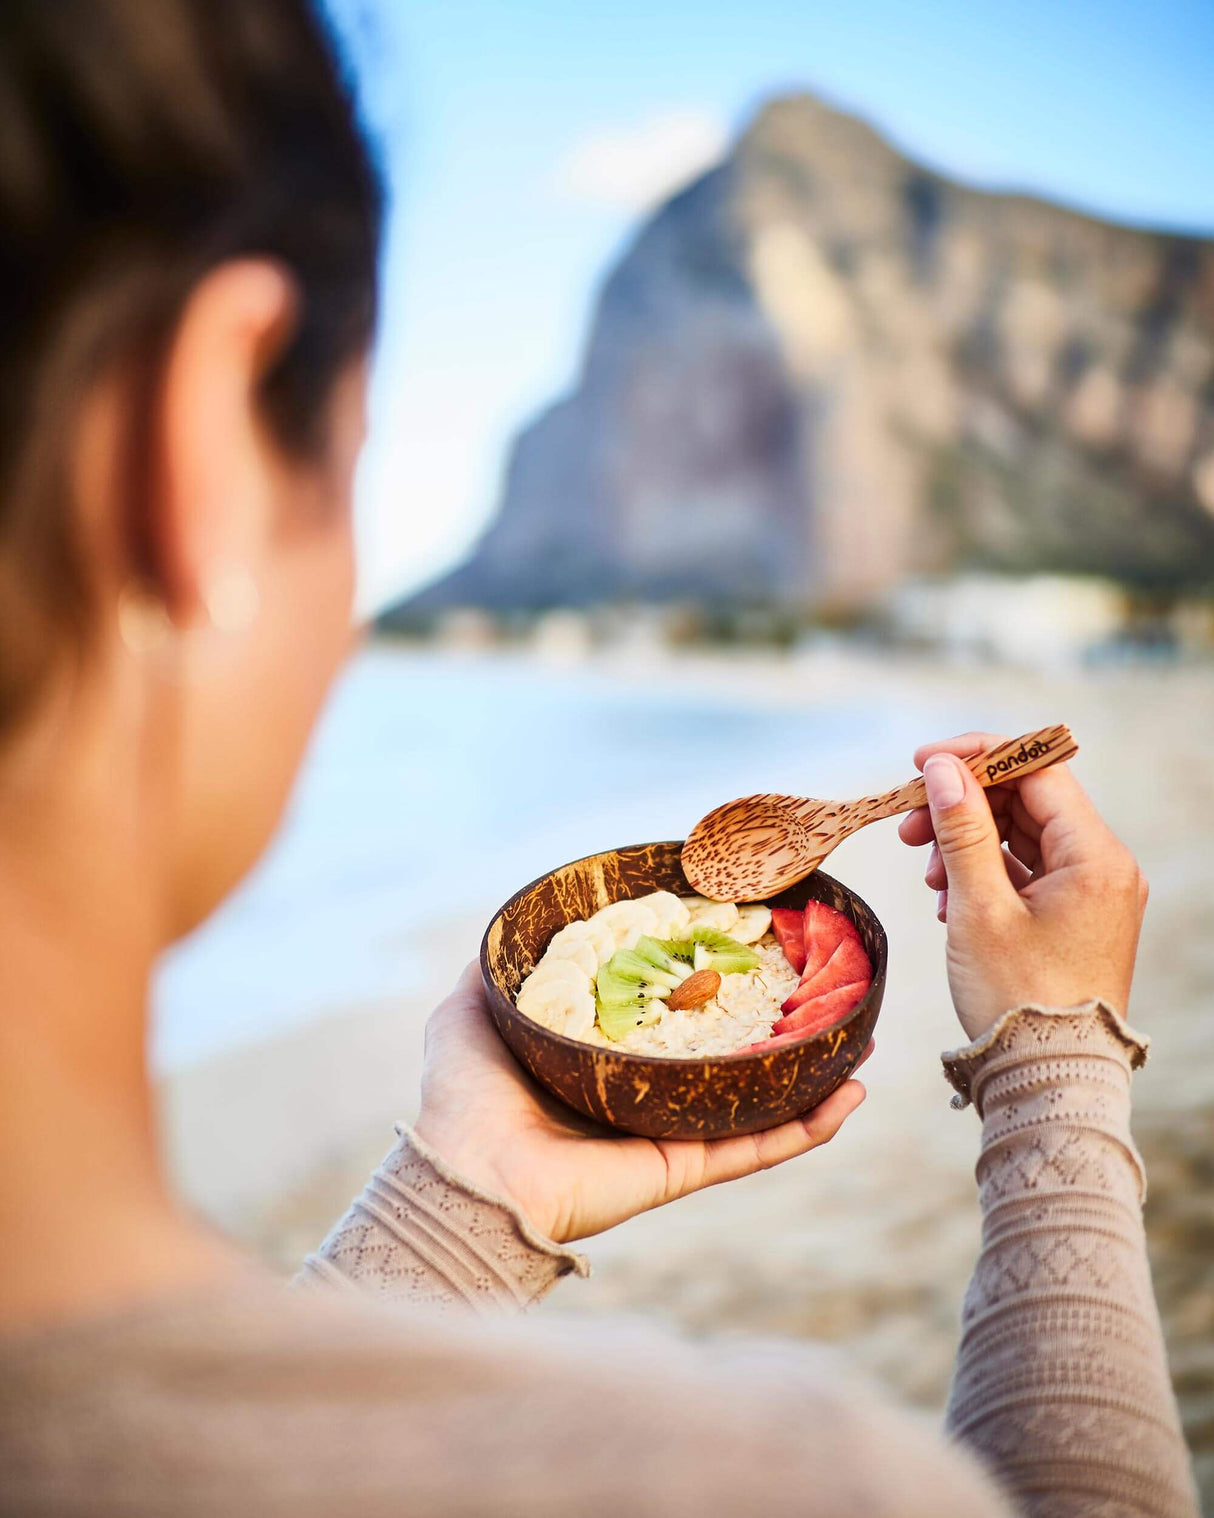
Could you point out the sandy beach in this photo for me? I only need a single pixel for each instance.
(869, 1243)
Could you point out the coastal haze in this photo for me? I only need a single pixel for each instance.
(852, 453)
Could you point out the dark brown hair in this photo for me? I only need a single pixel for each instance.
(143, 142)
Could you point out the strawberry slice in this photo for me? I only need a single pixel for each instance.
(848, 963)
(765, 1043)
(832, 1007)
(824, 929)
(822, 1012)
(788, 924)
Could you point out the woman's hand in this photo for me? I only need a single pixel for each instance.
(1043, 904)
(570, 1177)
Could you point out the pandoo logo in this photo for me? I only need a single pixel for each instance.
(1023, 754)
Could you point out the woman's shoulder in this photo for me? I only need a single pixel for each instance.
(260, 1400)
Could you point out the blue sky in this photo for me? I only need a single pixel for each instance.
(523, 139)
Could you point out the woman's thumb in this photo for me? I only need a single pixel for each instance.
(965, 834)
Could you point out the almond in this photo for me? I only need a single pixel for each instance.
(694, 991)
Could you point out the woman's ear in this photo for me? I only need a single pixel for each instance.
(210, 510)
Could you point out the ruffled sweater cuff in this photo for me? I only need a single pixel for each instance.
(422, 1233)
(1028, 1035)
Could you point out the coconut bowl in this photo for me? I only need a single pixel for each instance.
(660, 1097)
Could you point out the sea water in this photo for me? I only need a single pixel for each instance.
(438, 784)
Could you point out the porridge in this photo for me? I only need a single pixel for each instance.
(685, 977)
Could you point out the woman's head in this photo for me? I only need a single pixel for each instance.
(189, 232)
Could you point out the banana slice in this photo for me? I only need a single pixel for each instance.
(753, 921)
(558, 1005)
(715, 914)
(577, 951)
(579, 1016)
(647, 925)
(673, 917)
(603, 939)
(595, 933)
(628, 921)
(557, 969)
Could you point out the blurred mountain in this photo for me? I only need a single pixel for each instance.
(824, 367)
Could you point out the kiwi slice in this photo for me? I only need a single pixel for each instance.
(617, 1021)
(628, 978)
(715, 950)
(629, 991)
(681, 950)
(657, 952)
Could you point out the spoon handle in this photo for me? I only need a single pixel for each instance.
(1018, 756)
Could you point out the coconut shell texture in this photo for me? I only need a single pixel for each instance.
(655, 1097)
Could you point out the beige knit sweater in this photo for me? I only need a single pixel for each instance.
(439, 1399)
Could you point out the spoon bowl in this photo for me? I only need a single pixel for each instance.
(770, 847)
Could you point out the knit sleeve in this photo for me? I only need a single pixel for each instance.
(419, 1233)
(1061, 1383)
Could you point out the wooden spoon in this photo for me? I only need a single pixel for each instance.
(748, 850)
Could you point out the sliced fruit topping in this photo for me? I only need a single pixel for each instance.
(617, 1021)
(578, 951)
(695, 991)
(559, 1005)
(660, 953)
(574, 934)
(715, 950)
(763, 1044)
(753, 921)
(824, 927)
(630, 990)
(672, 915)
(788, 924)
(848, 964)
(713, 914)
(822, 1012)
(628, 920)
(559, 969)
(681, 949)
(628, 976)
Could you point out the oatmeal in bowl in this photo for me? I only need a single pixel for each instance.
(663, 975)
(682, 976)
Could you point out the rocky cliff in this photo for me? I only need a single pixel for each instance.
(823, 367)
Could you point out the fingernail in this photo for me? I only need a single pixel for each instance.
(933, 859)
(944, 781)
(941, 903)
